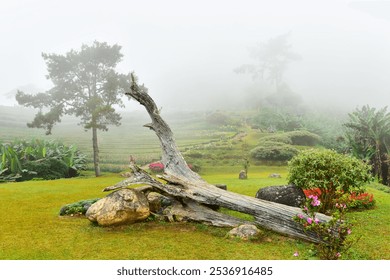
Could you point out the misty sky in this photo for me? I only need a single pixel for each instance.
(185, 51)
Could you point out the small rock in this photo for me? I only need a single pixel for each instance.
(242, 175)
(244, 232)
(221, 186)
(274, 175)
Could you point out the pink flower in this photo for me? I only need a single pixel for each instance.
(300, 216)
(338, 255)
(349, 231)
(315, 202)
(316, 220)
(296, 254)
(309, 221)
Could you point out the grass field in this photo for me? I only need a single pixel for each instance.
(32, 229)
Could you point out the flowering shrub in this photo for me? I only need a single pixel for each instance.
(354, 201)
(334, 174)
(361, 201)
(156, 167)
(334, 233)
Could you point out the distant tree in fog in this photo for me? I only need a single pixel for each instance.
(85, 85)
(270, 60)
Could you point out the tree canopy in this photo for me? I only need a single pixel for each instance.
(368, 134)
(86, 85)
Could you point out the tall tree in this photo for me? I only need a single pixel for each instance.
(86, 85)
(270, 60)
(368, 133)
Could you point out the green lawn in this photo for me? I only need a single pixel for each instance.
(32, 229)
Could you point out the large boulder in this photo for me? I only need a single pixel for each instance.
(289, 195)
(125, 206)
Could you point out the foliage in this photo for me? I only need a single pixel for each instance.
(273, 151)
(77, 208)
(195, 167)
(85, 85)
(334, 174)
(273, 119)
(368, 134)
(277, 137)
(25, 160)
(333, 233)
(46, 168)
(361, 201)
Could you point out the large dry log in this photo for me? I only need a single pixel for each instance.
(183, 183)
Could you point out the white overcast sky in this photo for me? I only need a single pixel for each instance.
(185, 51)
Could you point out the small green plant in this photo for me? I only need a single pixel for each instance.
(77, 208)
(334, 234)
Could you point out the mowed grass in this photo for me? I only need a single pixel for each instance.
(31, 228)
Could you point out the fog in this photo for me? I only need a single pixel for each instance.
(186, 51)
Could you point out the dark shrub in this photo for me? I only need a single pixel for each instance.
(77, 208)
(46, 168)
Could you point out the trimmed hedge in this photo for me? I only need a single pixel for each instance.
(303, 138)
(273, 151)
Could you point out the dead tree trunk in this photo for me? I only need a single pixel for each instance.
(192, 191)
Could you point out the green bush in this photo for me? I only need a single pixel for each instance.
(46, 168)
(280, 138)
(334, 174)
(273, 151)
(303, 138)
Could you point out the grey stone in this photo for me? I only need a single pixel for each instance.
(158, 202)
(242, 175)
(288, 195)
(125, 206)
(244, 232)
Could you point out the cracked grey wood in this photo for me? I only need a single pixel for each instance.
(186, 185)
